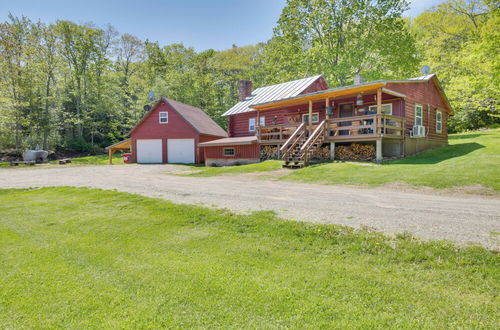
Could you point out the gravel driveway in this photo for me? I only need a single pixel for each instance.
(461, 218)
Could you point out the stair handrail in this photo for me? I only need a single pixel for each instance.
(301, 136)
(314, 136)
(293, 137)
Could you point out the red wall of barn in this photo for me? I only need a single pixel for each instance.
(200, 151)
(247, 151)
(176, 128)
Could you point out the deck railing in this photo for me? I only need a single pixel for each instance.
(355, 127)
(366, 125)
(273, 133)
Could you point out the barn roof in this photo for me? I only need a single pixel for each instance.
(272, 93)
(196, 117)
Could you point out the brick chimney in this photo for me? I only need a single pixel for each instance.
(245, 88)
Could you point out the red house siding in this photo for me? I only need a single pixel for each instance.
(247, 151)
(422, 92)
(243, 154)
(238, 124)
(176, 128)
(428, 120)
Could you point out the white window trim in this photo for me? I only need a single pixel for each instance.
(439, 121)
(374, 107)
(250, 124)
(313, 114)
(262, 121)
(421, 114)
(224, 152)
(160, 117)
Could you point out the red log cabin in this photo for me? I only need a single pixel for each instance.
(296, 118)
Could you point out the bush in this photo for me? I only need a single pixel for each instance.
(79, 144)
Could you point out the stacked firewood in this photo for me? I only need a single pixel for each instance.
(268, 152)
(355, 152)
(321, 153)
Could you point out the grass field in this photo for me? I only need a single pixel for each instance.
(81, 258)
(269, 165)
(470, 159)
(98, 160)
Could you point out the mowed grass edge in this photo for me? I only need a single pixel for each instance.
(76, 257)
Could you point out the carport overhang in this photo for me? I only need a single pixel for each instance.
(122, 145)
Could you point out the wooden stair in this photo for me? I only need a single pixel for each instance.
(299, 148)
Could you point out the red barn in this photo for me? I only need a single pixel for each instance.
(170, 133)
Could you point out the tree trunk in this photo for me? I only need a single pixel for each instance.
(46, 126)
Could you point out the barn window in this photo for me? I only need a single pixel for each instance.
(386, 108)
(228, 151)
(163, 117)
(419, 109)
(439, 122)
(315, 117)
(251, 124)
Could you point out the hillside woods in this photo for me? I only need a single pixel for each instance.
(83, 87)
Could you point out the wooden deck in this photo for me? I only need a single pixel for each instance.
(348, 129)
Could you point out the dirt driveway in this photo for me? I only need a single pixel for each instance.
(461, 218)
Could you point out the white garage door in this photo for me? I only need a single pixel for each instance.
(149, 151)
(180, 151)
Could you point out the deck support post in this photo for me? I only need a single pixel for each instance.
(332, 150)
(378, 148)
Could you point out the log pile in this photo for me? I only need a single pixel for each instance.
(269, 152)
(322, 153)
(355, 152)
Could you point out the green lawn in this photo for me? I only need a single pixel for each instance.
(98, 160)
(269, 165)
(470, 159)
(82, 258)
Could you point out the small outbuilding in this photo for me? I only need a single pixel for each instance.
(171, 133)
(231, 151)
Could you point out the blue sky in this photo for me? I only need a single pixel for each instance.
(201, 24)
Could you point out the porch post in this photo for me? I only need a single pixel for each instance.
(310, 116)
(332, 150)
(327, 103)
(110, 155)
(379, 109)
(379, 101)
(379, 150)
(257, 123)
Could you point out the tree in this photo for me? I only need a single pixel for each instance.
(342, 38)
(460, 40)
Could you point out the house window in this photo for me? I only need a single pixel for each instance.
(229, 152)
(163, 117)
(439, 122)
(386, 108)
(315, 117)
(419, 109)
(251, 124)
(262, 121)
